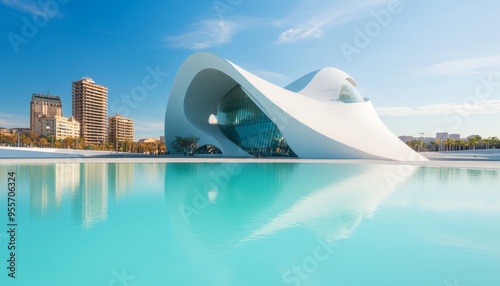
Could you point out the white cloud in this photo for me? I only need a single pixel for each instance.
(12, 121)
(479, 107)
(464, 66)
(25, 6)
(312, 19)
(313, 29)
(146, 129)
(204, 34)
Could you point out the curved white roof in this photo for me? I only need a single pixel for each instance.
(313, 125)
(323, 84)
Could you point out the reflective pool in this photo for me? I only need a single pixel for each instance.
(251, 224)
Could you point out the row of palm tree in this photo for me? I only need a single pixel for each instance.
(31, 139)
(450, 144)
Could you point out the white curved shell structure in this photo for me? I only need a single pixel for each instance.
(320, 115)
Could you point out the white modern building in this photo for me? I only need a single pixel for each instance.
(58, 126)
(320, 115)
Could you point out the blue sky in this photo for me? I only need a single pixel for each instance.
(427, 66)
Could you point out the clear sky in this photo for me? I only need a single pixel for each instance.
(428, 66)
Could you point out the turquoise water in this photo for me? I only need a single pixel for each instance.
(252, 224)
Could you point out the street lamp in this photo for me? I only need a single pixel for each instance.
(421, 140)
(51, 137)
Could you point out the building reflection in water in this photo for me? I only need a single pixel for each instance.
(261, 200)
(86, 185)
(42, 190)
(48, 184)
(120, 179)
(90, 201)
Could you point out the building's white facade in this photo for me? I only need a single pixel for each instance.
(59, 126)
(320, 115)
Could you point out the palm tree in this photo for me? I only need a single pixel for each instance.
(423, 146)
(473, 141)
(495, 142)
(438, 143)
(453, 143)
(414, 144)
(432, 146)
(462, 144)
(486, 142)
(477, 138)
(447, 144)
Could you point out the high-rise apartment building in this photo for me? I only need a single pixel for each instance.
(120, 129)
(90, 108)
(43, 105)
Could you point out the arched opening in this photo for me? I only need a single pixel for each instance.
(208, 149)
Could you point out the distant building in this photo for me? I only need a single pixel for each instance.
(41, 104)
(4, 130)
(58, 126)
(406, 139)
(16, 130)
(428, 140)
(454, 136)
(162, 139)
(149, 140)
(90, 108)
(442, 135)
(120, 129)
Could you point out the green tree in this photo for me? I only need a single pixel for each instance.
(25, 140)
(33, 136)
(449, 142)
(80, 143)
(473, 141)
(461, 144)
(185, 145)
(43, 141)
(57, 144)
(487, 142)
(68, 142)
(495, 142)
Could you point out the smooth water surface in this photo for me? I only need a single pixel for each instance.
(252, 224)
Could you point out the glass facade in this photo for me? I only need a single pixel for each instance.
(242, 121)
(349, 94)
(208, 149)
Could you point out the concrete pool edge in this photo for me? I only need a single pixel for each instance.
(472, 159)
(470, 164)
